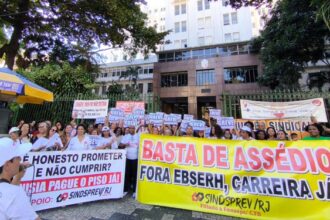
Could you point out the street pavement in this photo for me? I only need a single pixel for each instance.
(124, 209)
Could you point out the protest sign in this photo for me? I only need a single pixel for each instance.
(170, 119)
(299, 110)
(131, 120)
(198, 125)
(188, 117)
(289, 126)
(245, 179)
(215, 113)
(90, 109)
(100, 120)
(184, 125)
(226, 122)
(65, 178)
(178, 117)
(95, 141)
(156, 118)
(116, 115)
(129, 106)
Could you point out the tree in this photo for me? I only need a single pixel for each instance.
(37, 25)
(114, 89)
(62, 80)
(292, 38)
(132, 74)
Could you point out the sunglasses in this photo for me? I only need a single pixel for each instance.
(53, 130)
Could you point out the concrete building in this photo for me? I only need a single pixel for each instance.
(190, 80)
(195, 23)
(111, 72)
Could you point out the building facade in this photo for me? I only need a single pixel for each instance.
(111, 73)
(190, 80)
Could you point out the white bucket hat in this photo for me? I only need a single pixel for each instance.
(8, 151)
(13, 129)
(246, 128)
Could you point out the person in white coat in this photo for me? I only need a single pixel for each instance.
(80, 141)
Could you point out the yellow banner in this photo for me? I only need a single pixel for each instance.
(246, 179)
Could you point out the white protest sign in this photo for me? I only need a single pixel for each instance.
(178, 117)
(65, 178)
(170, 119)
(90, 109)
(188, 117)
(131, 120)
(303, 109)
(139, 112)
(207, 132)
(156, 118)
(226, 122)
(116, 115)
(100, 120)
(214, 113)
(95, 141)
(184, 125)
(198, 125)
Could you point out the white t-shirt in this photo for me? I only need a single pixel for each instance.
(14, 204)
(42, 141)
(76, 145)
(108, 140)
(133, 148)
(53, 140)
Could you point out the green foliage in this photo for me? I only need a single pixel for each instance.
(292, 37)
(38, 25)
(63, 79)
(114, 89)
(132, 74)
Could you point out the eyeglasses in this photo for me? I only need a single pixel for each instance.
(53, 130)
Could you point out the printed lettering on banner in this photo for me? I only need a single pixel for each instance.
(198, 125)
(90, 109)
(139, 112)
(65, 178)
(214, 113)
(244, 179)
(295, 110)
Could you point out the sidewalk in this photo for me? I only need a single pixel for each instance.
(124, 209)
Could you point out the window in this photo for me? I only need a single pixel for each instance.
(184, 43)
(183, 26)
(149, 88)
(177, 9)
(177, 27)
(201, 41)
(208, 22)
(177, 43)
(200, 23)
(104, 89)
(234, 18)
(228, 37)
(140, 88)
(226, 19)
(199, 5)
(225, 3)
(208, 40)
(206, 4)
(205, 77)
(236, 75)
(183, 9)
(176, 79)
(236, 36)
(232, 50)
